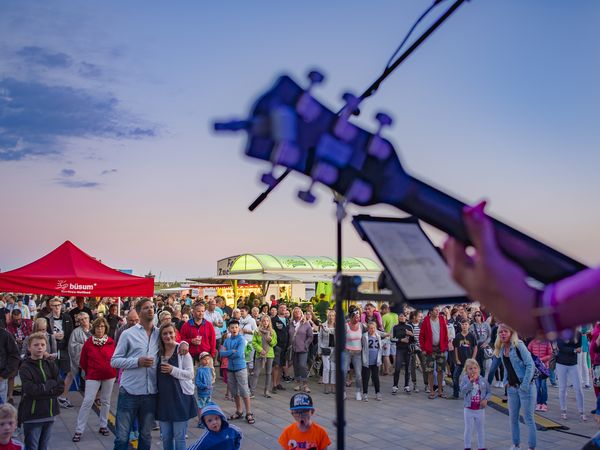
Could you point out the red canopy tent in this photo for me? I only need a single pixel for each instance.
(68, 270)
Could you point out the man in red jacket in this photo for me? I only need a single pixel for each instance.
(433, 340)
(199, 333)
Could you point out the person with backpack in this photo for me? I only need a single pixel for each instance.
(541, 348)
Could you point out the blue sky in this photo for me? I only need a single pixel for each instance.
(105, 113)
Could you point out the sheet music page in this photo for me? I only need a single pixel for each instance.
(411, 260)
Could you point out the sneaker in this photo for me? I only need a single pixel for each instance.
(587, 386)
(593, 411)
(358, 396)
(415, 388)
(64, 402)
(252, 395)
(378, 397)
(280, 387)
(582, 417)
(514, 447)
(563, 415)
(538, 407)
(544, 408)
(427, 390)
(394, 390)
(407, 389)
(365, 397)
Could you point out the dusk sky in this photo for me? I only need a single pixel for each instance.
(106, 111)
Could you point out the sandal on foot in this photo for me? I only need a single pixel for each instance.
(442, 395)
(250, 418)
(76, 437)
(431, 396)
(237, 415)
(104, 431)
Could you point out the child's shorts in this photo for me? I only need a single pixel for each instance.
(202, 401)
(238, 383)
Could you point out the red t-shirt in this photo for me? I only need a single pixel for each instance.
(315, 438)
(13, 444)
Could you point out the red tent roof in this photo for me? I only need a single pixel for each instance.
(68, 270)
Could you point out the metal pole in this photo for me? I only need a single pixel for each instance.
(340, 331)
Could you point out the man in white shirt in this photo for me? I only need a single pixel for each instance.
(136, 354)
(247, 328)
(213, 315)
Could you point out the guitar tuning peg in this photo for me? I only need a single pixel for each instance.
(384, 120)
(379, 147)
(343, 129)
(352, 102)
(315, 78)
(307, 107)
(307, 196)
(359, 192)
(268, 178)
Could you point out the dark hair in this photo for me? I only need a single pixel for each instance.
(233, 322)
(140, 303)
(16, 312)
(244, 307)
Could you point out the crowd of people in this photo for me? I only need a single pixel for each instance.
(165, 354)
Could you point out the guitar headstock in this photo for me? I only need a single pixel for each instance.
(289, 128)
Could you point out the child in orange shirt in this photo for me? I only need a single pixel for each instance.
(303, 433)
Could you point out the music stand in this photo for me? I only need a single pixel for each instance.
(415, 270)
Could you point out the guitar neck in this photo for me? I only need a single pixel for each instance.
(444, 212)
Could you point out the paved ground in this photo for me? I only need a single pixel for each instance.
(398, 422)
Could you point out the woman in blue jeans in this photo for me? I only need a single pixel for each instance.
(518, 374)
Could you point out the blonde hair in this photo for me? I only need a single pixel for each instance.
(40, 322)
(37, 336)
(514, 339)
(8, 411)
(268, 319)
(471, 363)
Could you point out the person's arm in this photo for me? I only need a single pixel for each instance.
(225, 350)
(465, 385)
(501, 285)
(119, 359)
(475, 348)
(488, 336)
(83, 358)
(34, 389)
(529, 365)
(186, 371)
(257, 342)
(273, 342)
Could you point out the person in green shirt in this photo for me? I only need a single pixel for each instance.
(389, 319)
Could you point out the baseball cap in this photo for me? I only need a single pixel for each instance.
(203, 354)
(301, 401)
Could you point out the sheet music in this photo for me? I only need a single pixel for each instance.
(411, 260)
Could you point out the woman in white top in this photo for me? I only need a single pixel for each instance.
(354, 332)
